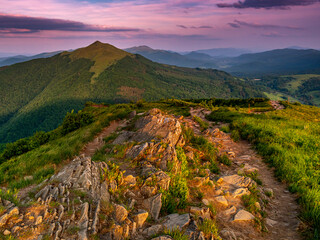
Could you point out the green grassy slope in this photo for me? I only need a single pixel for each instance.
(37, 94)
(303, 87)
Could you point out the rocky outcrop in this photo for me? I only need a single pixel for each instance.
(124, 199)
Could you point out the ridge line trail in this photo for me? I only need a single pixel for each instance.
(97, 143)
(282, 210)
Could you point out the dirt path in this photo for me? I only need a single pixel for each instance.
(97, 143)
(282, 210)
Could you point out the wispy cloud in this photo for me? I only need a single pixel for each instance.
(238, 24)
(281, 4)
(26, 24)
(195, 27)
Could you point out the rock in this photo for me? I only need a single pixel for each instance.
(190, 155)
(228, 234)
(4, 218)
(221, 200)
(130, 180)
(257, 205)
(148, 191)
(155, 125)
(196, 235)
(243, 215)
(206, 202)
(153, 205)
(269, 192)
(96, 219)
(51, 229)
(28, 178)
(270, 222)
(162, 180)
(39, 220)
(58, 232)
(240, 192)
(141, 217)
(15, 229)
(105, 195)
(162, 238)
(120, 213)
(136, 151)
(176, 221)
(230, 211)
(199, 181)
(123, 137)
(236, 180)
(117, 232)
(83, 222)
(201, 212)
(6, 232)
(132, 114)
(153, 230)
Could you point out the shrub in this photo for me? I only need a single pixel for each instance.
(74, 121)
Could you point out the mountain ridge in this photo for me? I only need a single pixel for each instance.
(67, 81)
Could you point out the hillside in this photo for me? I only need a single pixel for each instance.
(169, 170)
(303, 87)
(38, 93)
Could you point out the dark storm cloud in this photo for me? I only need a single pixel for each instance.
(238, 24)
(24, 24)
(282, 4)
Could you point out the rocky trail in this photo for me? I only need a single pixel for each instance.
(97, 143)
(282, 210)
(122, 197)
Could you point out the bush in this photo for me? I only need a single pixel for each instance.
(74, 121)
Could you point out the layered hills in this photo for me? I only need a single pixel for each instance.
(37, 94)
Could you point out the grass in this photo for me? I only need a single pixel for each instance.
(9, 195)
(209, 228)
(203, 125)
(289, 141)
(176, 234)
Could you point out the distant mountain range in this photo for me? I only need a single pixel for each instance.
(279, 61)
(36, 95)
(5, 61)
(192, 59)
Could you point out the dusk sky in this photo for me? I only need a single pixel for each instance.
(33, 26)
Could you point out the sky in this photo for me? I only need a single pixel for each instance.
(34, 26)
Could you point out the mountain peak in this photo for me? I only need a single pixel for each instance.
(102, 54)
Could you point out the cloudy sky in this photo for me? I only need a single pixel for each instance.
(32, 26)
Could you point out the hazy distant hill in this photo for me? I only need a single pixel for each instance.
(172, 58)
(5, 61)
(280, 61)
(224, 52)
(37, 94)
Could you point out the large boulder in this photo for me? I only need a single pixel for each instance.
(176, 221)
